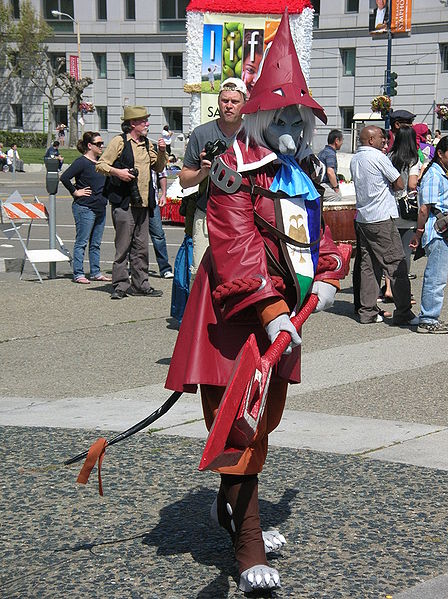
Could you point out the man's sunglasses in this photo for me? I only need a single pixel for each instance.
(98, 144)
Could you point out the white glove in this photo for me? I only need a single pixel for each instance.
(283, 323)
(325, 292)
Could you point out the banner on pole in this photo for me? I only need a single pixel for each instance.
(401, 12)
(74, 66)
(401, 16)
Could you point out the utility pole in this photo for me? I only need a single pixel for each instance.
(389, 59)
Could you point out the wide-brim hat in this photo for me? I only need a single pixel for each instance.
(132, 113)
(281, 82)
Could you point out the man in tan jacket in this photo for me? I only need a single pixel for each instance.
(127, 162)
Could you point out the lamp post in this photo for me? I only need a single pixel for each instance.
(57, 13)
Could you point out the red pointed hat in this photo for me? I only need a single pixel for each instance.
(281, 82)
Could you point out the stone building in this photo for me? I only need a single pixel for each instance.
(134, 51)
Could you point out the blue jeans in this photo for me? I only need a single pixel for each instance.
(434, 280)
(89, 229)
(159, 241)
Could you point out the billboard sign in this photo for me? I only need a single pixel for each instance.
(232, 48)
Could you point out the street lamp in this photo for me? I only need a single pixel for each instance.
(58, 13)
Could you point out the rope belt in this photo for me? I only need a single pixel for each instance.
(243, 286)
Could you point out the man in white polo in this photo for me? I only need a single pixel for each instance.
(380, 247)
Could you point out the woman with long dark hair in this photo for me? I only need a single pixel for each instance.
(89, 206)
(404, 157)
(433, 202)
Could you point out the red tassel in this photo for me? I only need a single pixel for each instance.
(96, 452)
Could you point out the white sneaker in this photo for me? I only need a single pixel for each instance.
(168, 275)
(379, 318)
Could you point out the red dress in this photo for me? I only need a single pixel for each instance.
(211, 335)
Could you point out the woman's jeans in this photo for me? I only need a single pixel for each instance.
(434, 280)
(159, 241)
(89, 228)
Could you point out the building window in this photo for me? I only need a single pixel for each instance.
(129, 10)
(129, 64)
(174, 118)
(61, 115)
(348, 56)
(172, 15)
(101, 10)
(351, 5)
(102, 116)
(15, 9)
(58, 62)
(15, 64)
(444, 57)
(58, 23)
(347, 113)
(18, 115)
(316, 7)
(101, 65)
(173, 64)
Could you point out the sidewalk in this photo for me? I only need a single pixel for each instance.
(356, 479)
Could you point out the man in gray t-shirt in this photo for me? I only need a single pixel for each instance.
(196, 168)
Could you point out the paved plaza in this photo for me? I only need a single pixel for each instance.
(356, 478)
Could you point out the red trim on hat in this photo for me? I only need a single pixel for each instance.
(272, 7)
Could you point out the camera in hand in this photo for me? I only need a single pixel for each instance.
(136, 198)
(214, 148)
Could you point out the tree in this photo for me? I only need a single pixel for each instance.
(28, 58)
(74, 89)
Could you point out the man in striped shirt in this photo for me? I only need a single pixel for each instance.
(380, 247)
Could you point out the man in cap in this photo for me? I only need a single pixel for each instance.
(196, 167)
(397, 119)
(127, 162)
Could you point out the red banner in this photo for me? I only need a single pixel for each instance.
(74, 68)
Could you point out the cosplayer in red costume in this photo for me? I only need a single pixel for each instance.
(261, 204)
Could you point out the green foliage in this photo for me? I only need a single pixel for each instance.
(28, 53)
(36, 155)
(24, 140)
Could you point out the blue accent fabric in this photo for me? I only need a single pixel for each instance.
(314, 225)
(291, 179)
(181, 281)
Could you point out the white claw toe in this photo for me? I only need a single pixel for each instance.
(232, 525)
(259, 577)
(273, 540)
(229, 509)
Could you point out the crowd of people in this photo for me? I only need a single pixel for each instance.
(401, 194)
